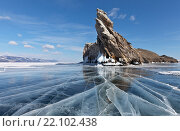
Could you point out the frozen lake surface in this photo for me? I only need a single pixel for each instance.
(77, 90)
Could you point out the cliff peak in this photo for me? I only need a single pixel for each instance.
(110, 47)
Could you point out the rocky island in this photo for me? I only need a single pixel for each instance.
(113, 49)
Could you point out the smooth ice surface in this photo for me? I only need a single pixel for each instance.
(90, 90)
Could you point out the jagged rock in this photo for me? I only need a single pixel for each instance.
(90, 52)
(111, 47)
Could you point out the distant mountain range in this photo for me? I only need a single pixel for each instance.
(22, 59)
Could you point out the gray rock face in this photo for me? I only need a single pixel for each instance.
(91, 52)
(110, 47)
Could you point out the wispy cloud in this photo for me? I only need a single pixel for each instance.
(24, 42)
(132, 18)
(46, 50)
(28, 46)
(12, 43)
(175, 35)
(52, 38)
(5, 18)
(74, 48)
(25, 20)
(66, 40)
(122, 16)
(56, 53)
(47, 46)
(19, 35)
(114, 13)
(58, 46)
(72, 26)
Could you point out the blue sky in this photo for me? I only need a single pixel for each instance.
(58, 29)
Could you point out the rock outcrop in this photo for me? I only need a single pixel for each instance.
(111, 47)
(149, 57)
(169, 59)
(91, 52)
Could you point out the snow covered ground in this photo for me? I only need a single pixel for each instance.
(23, 64)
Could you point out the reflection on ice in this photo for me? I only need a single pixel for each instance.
(88, 90)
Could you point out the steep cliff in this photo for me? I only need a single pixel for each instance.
(110, 46)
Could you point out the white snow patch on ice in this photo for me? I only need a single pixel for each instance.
(113, 64)
(22, 64)
(177, 73)
(101, 58)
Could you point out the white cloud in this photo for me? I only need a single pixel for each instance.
(13, 43)
(19, 35)
(132, 18)
(122, 16)
(28, 46)
(47, 46)
(5, 18)
(114, 13)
